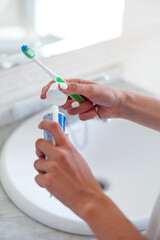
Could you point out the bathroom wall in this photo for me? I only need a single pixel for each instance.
(142, 64)
(140, 14)
(137, 51)
(12, 11)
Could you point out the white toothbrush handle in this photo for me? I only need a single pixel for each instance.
(47, 70)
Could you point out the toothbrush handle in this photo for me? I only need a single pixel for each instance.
(47, 70)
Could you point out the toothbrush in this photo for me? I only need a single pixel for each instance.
(30, 53)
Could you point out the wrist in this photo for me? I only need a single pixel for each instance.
(123, 104)
(130, 105)
(85, 201)
(93, 206)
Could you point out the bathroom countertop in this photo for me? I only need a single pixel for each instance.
(14, 224)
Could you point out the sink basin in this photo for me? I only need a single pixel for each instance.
(123, 156)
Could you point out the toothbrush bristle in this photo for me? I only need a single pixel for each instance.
(24, 47)
(29, 52)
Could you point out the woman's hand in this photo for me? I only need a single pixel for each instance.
(102, 100)
(109, 102)
(65, 174)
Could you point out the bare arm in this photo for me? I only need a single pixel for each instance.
(141, 109)
(109, 223)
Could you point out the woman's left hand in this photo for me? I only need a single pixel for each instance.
(65, 174)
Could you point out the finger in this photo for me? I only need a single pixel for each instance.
(68, 104)
(42, 165)
(42, 180)
(44, 148)
(37, 169)
(90, 91)
(45, 89)
(56, 131)
(77, 80)
(88, 115)
(39, 153)
(84, 107)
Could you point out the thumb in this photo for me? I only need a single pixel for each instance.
(56, 131)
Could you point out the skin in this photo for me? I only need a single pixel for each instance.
(67, 176)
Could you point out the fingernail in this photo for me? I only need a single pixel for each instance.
(64, 86)
(75, 104)
(96, 107)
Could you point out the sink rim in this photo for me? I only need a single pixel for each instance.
(80, 227)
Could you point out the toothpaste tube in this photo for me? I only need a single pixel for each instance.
(54, 116)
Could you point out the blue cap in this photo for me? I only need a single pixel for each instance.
(24, 47)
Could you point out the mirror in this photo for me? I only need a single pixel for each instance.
(55, 26)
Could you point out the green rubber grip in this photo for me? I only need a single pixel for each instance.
(58, 79)
(76, 97)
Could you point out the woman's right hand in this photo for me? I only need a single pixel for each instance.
(101, 100)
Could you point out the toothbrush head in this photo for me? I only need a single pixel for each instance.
(29, 52)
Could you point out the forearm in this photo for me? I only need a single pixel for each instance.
(141, 109)
(108, 222)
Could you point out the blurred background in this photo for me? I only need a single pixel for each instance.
(76, 38)
(76, 23)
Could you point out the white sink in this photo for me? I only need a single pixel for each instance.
(123, 156)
